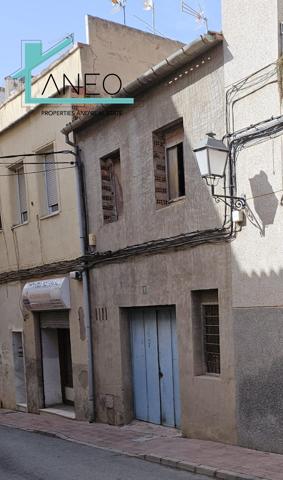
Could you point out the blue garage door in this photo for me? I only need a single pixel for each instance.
(155, 365)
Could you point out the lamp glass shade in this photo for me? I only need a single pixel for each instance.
(212, 156)
(217, 162)
(202, 159)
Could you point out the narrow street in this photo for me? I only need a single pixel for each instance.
(32, 456)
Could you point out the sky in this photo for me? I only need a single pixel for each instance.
(52, 20)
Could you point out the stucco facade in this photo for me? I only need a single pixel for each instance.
(207, 403)
(36, 240)
(143, 261)
(243, 404)
(257, 251)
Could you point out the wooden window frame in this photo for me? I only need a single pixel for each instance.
(168, 137)
(167, 149)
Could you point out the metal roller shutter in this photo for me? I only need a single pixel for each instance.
(54, 319)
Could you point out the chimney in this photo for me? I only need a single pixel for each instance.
(2, 94)
(12, 86)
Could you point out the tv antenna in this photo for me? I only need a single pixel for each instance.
(149, 26)
(119, 5)
(199, 15)
(149, 5)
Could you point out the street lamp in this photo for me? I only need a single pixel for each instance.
(212, 156)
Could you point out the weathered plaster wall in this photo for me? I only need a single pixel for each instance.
(112, 48)
(198, 99)
(258, 337)
(208, 404)
(43, 240)
(257, 252)
(15, 318)
(126, 51)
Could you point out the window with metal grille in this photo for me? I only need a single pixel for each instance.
(111, 186)
(211, 338)
(169, 164)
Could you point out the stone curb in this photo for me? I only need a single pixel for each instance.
(199, 469)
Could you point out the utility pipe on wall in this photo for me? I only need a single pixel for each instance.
(85, 278)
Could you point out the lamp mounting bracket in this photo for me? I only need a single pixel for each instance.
(237, 203)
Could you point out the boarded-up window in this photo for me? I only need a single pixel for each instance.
(168, 164)
(112, 193)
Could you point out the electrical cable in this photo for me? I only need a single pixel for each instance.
(35, 163)
(265, 194)
(33, 172)
(89, 261)
(192, 239)
(39, 154)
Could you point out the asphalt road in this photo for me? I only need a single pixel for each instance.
(31, 456)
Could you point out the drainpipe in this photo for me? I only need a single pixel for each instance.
(82, 216)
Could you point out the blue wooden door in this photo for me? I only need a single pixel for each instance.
(155, 365)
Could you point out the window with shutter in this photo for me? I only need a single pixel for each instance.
(51, 184)
(22, 194)
(19, 193)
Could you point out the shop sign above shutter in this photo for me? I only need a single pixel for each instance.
(52, 294)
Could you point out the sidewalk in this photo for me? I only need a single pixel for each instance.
(157, 444)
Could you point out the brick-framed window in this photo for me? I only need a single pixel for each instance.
(168, 157)
(111, 187)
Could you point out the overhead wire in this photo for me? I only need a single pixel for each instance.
(36, 171)
(39, 154)
(192, 239)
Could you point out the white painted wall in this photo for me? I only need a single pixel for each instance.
(253, 41)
